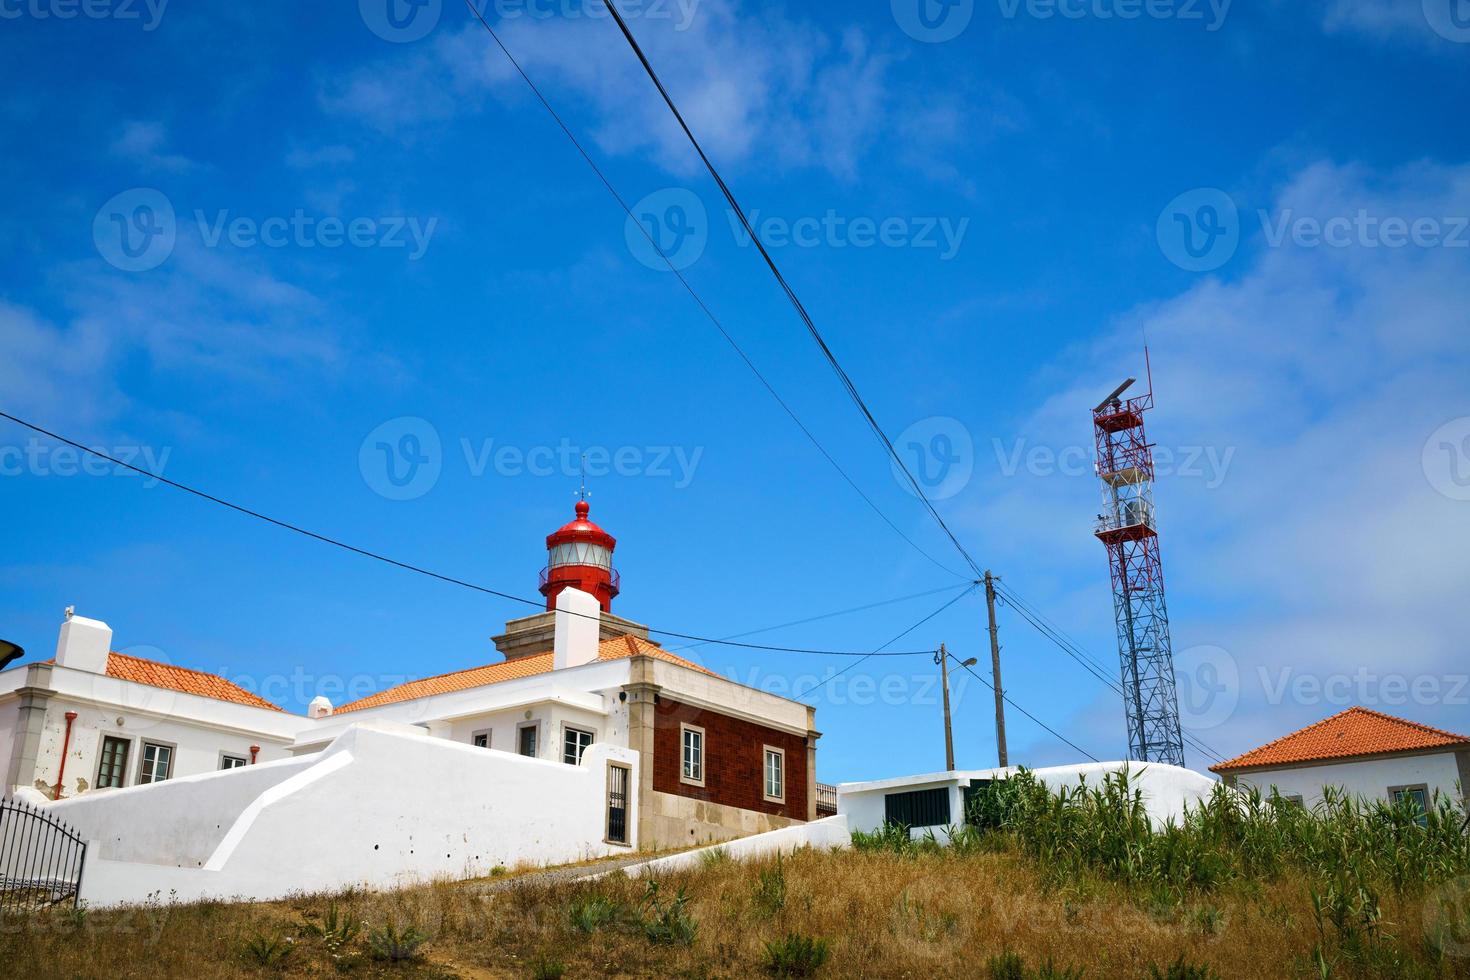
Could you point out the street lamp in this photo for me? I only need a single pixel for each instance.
(942, 658)
(10, 652)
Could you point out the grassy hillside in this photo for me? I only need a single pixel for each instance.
(1048, 886)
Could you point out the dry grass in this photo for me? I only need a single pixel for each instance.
(925, 915)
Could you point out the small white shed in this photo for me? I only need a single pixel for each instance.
(1364, 753)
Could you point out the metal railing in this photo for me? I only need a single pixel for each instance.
(826, 800)
(41, 859)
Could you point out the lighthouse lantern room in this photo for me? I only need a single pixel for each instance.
(579, 556)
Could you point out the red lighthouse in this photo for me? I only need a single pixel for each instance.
(579, 556)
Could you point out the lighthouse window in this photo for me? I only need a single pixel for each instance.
(693, 766)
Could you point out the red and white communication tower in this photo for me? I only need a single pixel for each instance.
(1126, 527)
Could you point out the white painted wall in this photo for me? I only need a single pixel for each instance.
(383, 806)
(827, 833)
(198, 737)
(1167, 790)
(1366, 778)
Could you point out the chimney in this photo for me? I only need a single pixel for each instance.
(320, 707)
(578, 621)
(83, 643)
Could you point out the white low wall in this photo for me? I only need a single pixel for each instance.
(382, 806)
(829, 832)
(1167, 790)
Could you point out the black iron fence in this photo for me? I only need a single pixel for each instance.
(826, 800)
(41, 859)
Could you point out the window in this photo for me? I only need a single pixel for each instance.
(112, 771)
(918, 808)
(1295, 800)
(775, 769)
(692, 770)
(1418, 794)
(157, 763)
(526, 740)
(480, 740)
(574, 743)
(232, 762)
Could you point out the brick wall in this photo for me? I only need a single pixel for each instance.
(734, 760)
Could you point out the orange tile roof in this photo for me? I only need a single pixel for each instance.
(617, 648)
(1348, 734)
(181, 679)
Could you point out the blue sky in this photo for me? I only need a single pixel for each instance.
(249, 244)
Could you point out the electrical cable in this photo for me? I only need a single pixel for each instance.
(1089, 663)
(688, 287)
(827, 353)
(408, 566)
(1011, 701)
(830, 615)
(878, 653)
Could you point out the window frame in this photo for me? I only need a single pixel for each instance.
(767, 751)
(127, 744)
(1407, 788)
(244, 761)
(173, 758)
(481, 733)
(685, 729)
(535, 726)
(567, 728)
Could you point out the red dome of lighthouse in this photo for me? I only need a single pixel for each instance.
(579, 556)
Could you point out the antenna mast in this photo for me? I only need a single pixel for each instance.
(1127, 528)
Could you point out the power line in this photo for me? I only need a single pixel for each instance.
(878, 653)
(830, 615)
(606, 183)
(1089, 663)
(847, 383)
(408, 566)
(1011, 701)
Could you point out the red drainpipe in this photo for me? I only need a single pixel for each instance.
(254, 751)
(71, 716)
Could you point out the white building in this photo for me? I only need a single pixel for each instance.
(718, 759)
(937, 801)
(1363, 753)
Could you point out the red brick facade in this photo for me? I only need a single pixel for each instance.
(734, 760)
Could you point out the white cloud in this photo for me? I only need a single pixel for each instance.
(1326, 550)
(144, 144)
(756, 90)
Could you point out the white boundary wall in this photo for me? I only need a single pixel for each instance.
(829, 832)
(384, 805)
(1167, 790)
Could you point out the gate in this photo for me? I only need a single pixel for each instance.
(41, 859)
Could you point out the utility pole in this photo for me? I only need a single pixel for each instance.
(943, 658)
(1000, 701)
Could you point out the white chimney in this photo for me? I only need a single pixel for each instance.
(578, 623)
(320, 707)
(83, 643)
